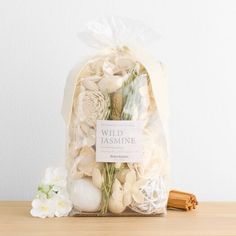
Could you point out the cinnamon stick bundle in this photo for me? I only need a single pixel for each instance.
(181, 200)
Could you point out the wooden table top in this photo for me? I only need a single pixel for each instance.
(217, 218)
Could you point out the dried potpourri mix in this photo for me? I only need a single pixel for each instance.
(115, 112)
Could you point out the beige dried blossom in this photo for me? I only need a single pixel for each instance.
(132, 188)
(94, 106)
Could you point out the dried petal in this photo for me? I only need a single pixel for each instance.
(97, 178)
(138, 196)
(127, 199)
(117, 190)
(127, 187)
(117, 165)
(84, 163)
(94, 78)
(139, 184)
(116, 186)
(110, 84)
(108, 68)
(87, 164)
(90, 140)
(84, 127)
(75, 172)
(122, 174)
(116, 206)
(87, 151)
(90, 85)
(130, 177)
(124, 62)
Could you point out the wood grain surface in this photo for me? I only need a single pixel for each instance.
(209, 218)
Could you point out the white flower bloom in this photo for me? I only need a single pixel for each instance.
(63, 206)
(55, 176)
(52, 198)
(42, 208)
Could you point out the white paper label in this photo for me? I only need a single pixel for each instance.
(119, 141)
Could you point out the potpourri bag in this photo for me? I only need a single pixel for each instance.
(115, 109)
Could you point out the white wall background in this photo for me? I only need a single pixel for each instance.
(38, 47)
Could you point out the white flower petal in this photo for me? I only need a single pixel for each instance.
(36, 203)
(63, 206)
(42, 208)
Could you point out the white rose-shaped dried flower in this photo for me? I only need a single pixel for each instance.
(95, 105)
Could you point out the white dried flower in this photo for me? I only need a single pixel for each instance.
(132, 188)
(95, 106)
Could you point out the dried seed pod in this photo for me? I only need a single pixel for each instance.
(116, 105)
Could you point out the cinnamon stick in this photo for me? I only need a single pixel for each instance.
(181, 200)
